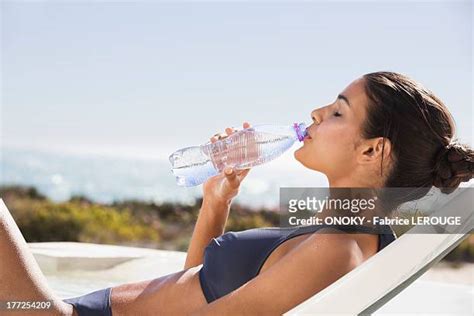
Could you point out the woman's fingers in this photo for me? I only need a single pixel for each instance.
(231, 176)
(218, 136)
(228, 131)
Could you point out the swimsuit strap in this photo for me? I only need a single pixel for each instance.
(384, 232)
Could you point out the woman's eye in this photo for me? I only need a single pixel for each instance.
(337, 114)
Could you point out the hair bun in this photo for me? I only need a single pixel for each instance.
(453, 165)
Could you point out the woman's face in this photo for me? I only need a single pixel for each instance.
(335, 133)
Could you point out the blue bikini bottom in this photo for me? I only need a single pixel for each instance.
(93, 304)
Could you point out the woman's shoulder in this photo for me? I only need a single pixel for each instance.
(358, 246)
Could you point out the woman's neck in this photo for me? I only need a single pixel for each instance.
(356, 179)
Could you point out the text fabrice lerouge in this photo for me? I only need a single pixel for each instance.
(360, 220)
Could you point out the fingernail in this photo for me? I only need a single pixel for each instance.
(228, 170)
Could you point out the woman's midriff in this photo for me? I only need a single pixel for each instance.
(165, 294)
(181, 292)
(172, 294)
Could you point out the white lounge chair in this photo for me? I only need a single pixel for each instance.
(371, 285)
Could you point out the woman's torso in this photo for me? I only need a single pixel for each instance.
(166, 293)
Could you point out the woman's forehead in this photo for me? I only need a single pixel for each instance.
(355, 93)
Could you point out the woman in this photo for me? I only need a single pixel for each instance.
(383, 130)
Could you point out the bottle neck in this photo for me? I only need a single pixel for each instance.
(300, 130)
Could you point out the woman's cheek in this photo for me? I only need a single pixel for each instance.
(330, 139)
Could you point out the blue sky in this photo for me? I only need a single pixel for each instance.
(151, 77)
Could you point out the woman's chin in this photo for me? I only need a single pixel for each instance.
(310, 164)
(296, 155)
(299, 157)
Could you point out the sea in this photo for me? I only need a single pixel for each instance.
(108, 177)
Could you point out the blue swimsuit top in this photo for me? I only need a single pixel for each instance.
(234, 258)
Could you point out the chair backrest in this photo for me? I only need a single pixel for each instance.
(372, 284)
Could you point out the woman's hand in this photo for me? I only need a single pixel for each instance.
(223, 187)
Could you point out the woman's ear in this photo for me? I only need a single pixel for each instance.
(372, 149)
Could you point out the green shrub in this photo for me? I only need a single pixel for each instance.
(75, 221)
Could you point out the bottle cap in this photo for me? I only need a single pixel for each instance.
(300, 129)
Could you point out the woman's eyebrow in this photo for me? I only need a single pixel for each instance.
(341, 96)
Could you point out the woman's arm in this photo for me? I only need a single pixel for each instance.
(316, 263)
(210, 224)
(218, 192)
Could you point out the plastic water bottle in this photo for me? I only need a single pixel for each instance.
(243, 149)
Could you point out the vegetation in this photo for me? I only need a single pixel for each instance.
(163, 226)
(145, 224)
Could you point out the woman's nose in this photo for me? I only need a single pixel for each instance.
(316, 116)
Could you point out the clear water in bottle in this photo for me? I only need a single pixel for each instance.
(243, 149)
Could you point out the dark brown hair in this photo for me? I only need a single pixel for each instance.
(421, 131)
